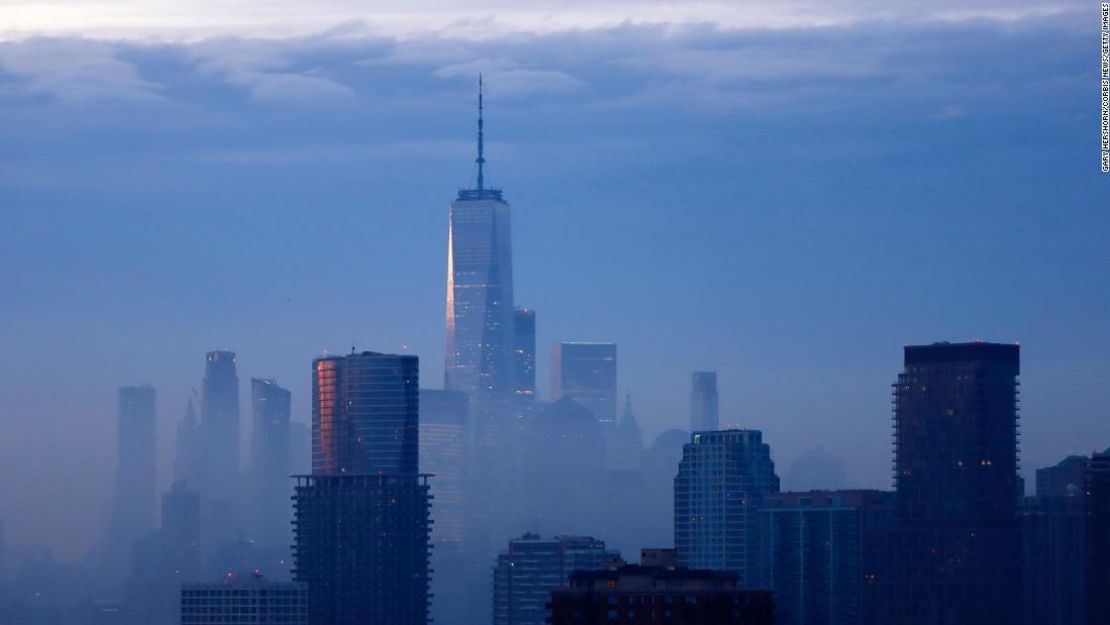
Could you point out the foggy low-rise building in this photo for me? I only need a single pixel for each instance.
(532, 567)
(656, 595)
(587, 373)
(723, 479)
(250, 601)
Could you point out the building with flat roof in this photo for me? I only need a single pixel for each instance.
(250, 601)
(587, 373)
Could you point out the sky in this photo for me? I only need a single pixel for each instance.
(784, 193)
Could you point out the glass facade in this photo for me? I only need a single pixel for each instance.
(365, 414)
(587, 373)
(722, 480)
(219, 420)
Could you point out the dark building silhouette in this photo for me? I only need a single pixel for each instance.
(704, 409)
(188, 463)
(180, 533)
(1053, 546)
(133, 510)
(722, 481)
(587, 373)
(219, 414)
(270, 464)
(524, 354)
(649, 595)
(362, 519)
(1098, 538)
(628, 441)
(813, 552)
(952, 558)
(527, 572)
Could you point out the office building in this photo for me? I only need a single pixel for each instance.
(628, 441)
(270, 464)
(587, 373)
(180, 533)
(524, 354)
(532, 567)
(188, 463)
(244, 602)
(219, 421)
(723, 479)
(704, 410)
(654, 595)
(480, 337)
(362, 519)
(133, 511)
(443, 423)
(953, 555)
(812, 552)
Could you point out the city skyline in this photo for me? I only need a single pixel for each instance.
(1014, 242)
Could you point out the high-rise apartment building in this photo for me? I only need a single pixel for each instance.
(587, 373)
(704, 409)
(723, 479)
(362, 519)
(532, 567)
(813, 545)
(219, 420)
(953, 556)
(270, 464)
(524, 354)
(480, 313)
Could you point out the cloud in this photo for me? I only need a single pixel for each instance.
(74, 70)
(507, 79)
(268, 71)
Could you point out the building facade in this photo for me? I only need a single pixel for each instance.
(1097, 513)
(813, 552)
(532, 567)
(723, 479)
(134, 506)
(220, 429)
(246, 602)
(953, 556)
(704, 409)
(587, 373)
(646, 595)
(270, 464)
(524, 355)
(362, 519)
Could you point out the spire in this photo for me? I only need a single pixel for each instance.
(481, 160)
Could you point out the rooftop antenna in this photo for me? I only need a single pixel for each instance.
(481, 160)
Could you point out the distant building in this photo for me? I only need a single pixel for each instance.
(1053, 546)
(443, 427)
(219, 421)
(532, 567)
(953, 555)
(188, 464)
(246, 602)
(524, 354)
(628, 441)
(270, 468)
(704, 408)
(1098, 538)
(587, 373)
(362, 519)
(646, 595)
(180, 535)
(133, 512)
(812, 552)
(723, 479)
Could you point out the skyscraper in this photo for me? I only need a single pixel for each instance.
(722, 480)
(524, 354)
(188, 463)
(180, 534)
(587, 373)
(219, 415)
(133, 512)
(628, 441)
(443, 422)
(362, 519)
(704, 415)
(952, 557)
(480, 337)
(532, 567)
(270, 462)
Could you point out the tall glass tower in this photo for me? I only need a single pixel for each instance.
(219, 422)
(480, 339)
